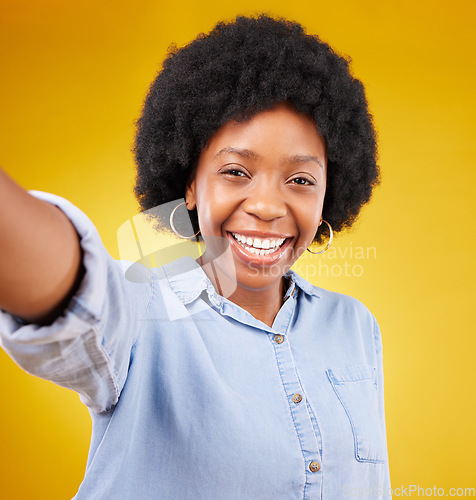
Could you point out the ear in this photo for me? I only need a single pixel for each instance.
(190, 199)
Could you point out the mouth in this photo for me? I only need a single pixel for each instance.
(259, 246)
(261, 250)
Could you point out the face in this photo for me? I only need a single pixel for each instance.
(259, 189)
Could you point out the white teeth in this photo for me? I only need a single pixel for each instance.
(259, 246)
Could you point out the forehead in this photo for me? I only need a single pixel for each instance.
(281, 131)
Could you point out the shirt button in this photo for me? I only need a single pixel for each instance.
(314, 466)
(297, 398)
(279, 339)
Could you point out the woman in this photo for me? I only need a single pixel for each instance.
(229, 376)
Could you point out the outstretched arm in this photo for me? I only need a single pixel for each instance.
(40, 255)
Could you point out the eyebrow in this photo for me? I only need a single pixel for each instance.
(247, 153)
(305, 159)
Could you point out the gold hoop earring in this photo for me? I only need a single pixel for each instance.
(331, 237)
(174, 228)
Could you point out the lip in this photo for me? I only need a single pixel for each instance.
(260, 260)
(260, 234)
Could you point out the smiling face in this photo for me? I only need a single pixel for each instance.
(259, 189)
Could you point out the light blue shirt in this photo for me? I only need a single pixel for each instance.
(192, 397)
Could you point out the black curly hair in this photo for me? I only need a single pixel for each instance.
(236, 71)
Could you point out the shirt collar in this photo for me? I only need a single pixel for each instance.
(188, 280)
(300, 282)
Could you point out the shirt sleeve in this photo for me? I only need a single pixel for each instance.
(87, 349)
(380, 386)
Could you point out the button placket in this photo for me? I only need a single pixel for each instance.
(301, 418)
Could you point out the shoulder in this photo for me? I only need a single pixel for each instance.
(338, 320)
(334, 307)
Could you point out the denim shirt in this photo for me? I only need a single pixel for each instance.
(191, 397)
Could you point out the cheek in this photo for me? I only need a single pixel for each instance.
(309, 218)
(211, 208)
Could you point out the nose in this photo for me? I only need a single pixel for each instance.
(265, 201)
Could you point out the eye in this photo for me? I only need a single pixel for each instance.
(233, 172)
(302, 181)
(236, 173)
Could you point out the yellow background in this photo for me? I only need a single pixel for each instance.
(73, 77)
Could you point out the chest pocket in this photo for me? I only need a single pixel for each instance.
(356, 388)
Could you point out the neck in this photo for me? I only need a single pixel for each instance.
(262, 304)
